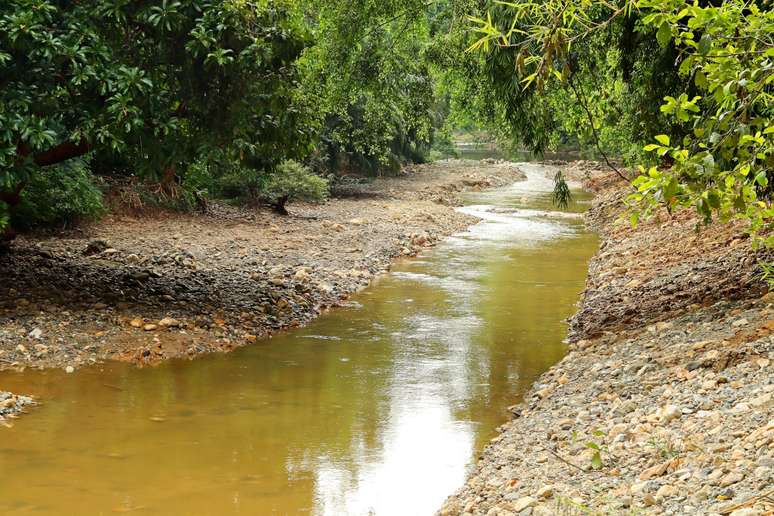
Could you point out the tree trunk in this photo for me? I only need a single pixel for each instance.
(279, 205)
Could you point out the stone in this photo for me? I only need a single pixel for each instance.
(302, 274)
(95, 247)
(545, 492)
(665, 491)
(524, 503)
(136, 323)
(36, 333)
(149, 327)
(669, 413)
(168, 322)
(731, 478)
(69, 369)
(654, 471)
(746, 511)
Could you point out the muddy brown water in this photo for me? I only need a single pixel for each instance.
(376, 408)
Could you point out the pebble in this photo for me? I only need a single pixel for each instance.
(168, 322)
(524, 503)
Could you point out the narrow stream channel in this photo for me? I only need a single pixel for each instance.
(377, 408)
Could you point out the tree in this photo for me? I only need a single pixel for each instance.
(156, 83)
(370, 75)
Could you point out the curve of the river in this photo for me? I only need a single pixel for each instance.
(376, 408)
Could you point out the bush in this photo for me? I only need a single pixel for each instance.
(293, 181)
(59, 194)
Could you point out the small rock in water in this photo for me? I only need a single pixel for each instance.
(69, 369)
(149, 327)
(36, 333)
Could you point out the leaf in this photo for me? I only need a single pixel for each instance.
(670, 189)
(596, 461)
(713, 199)
(662, 139)
(705, 44)
(664, 34)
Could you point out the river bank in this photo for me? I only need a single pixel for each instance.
(176, 285)
(664, 403)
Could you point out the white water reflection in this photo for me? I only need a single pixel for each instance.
(427, 449)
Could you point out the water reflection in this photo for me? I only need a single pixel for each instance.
(376, 408)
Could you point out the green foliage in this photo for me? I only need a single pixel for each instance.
(767, 273)
(293, 182)
(371, 77)
(59, 194)
(718, 132)
(722, 166)
(5, 215)
(561, 196)
(156, 83)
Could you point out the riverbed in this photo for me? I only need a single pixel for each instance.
(380, 407)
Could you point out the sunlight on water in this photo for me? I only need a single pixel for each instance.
(376, 408)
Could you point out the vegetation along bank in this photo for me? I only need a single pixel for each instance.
(147, 288)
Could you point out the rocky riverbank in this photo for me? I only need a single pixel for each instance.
(175, 285)
(664, 403)
(11, 406)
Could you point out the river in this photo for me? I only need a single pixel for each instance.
(380, 407)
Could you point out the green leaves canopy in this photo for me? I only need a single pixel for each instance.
(154, 81)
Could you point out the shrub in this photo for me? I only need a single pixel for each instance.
(293, 181)
(59, 194)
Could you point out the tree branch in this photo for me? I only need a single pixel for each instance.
(585, 106)
(61, 152)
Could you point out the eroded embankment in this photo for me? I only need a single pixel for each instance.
(152, 288)
(665, 400)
